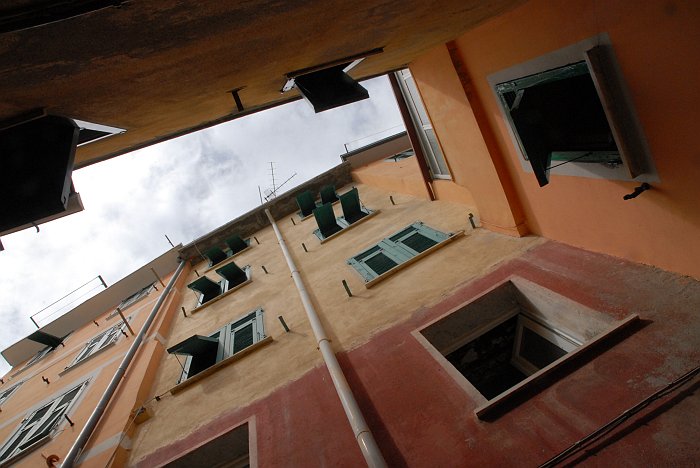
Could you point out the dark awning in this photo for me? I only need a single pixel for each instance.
(236, 244)
(205, 286)
(215, 255)
(232, 273)
(45, 338)
(195, 345)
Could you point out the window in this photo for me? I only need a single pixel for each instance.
(5, 394)
(234, 245)
(232, 278)
(38, 424)
(98, 343)
(38, 356)
(426, 134)
(514, 335)
(568, 113)
(353, 211)
(132, 299)
(399, 248)
(230, 450)
(204, 351)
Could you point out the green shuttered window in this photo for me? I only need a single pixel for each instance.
(204, 351)
(395, 250)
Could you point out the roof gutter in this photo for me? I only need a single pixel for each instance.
(363, 435)
(99, 410)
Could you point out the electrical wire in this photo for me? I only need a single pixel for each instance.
(603, 430)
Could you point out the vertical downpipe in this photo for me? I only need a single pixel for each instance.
(365, 439)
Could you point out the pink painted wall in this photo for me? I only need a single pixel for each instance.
(421, 416)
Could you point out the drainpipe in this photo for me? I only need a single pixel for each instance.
(365, 439)
(94, 418)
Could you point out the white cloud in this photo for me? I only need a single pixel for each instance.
(183, 188)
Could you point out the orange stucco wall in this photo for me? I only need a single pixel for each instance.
(462, 142)
(657, 44)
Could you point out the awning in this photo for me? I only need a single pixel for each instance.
(232, 273)
(205, 286)
(215, 255)
(195, 345)
(236, 244)
(45, 338)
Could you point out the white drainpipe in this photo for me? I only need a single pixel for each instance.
(365, 439)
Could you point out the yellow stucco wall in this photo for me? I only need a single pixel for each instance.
(349, 321)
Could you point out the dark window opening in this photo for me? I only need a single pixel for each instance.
(557, 117)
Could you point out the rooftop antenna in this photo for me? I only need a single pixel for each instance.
(272, 175)
(271, 194)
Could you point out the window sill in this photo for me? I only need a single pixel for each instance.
(79, 363)
(221, 296)
(412, 260)
(360, 221)
(483, 411)
(219, 365)
(227, 260)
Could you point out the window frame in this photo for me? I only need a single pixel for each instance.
(6, 394)
(638, 164)
(224, 288)
(104, 340)
(49, 420)
(227, 341)
(395, 250)
(432, 150)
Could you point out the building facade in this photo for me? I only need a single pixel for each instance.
(521, 288)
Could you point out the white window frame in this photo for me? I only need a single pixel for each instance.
(6, 394)
(98, 343)
(557, 59)
(557, 338)
(39, 422)
(432, 150)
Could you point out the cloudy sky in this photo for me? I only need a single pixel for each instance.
(183, 188)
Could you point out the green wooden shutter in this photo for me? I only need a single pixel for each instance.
(245, 331)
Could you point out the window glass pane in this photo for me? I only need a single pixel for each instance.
(417, 102)
(418, 242)
(441, 168)
(538, 350)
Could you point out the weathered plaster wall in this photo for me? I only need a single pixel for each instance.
(99, 369)
(421, 416)
(463, 144)
(350, 322)
(657, 44)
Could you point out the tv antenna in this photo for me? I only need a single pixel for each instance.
(271, 192)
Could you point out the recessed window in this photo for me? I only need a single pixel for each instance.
(513, 335)
(98, 343)
(569, 113)
(202, 352)
(234, 245)
(397, 249)
(5, 394)
(39, 424)
(38, 356)
(232, 277)
(353, 211)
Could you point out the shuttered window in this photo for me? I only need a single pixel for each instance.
(232, 338)
(39, 424)
(98, 343)
(395, 250)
